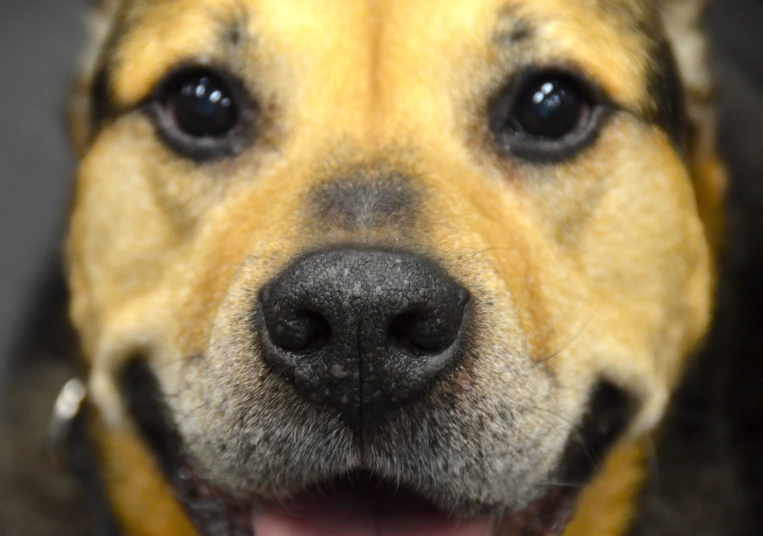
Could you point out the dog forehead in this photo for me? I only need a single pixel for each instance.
(358, 41)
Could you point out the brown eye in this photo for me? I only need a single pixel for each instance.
(203, 113)
(546, 116)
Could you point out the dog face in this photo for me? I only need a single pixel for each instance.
(460, 247)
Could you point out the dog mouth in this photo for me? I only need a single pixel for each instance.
(361, 503)
(358, 506)
(356, 511)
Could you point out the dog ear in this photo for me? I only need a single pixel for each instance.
(99, 22)
(683, 22)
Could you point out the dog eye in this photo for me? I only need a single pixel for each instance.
(202, 106)
(550, 108)
(202, 113)
(546, 116)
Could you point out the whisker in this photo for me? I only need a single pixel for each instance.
(573, 428)
(569, 343)
(492, 248)
(188, 414)
(563, 484)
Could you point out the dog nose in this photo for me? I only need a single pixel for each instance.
(362, 331)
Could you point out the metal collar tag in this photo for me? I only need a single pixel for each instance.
(66, 410)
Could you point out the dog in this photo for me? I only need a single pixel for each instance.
(388, 267)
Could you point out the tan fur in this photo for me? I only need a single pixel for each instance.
(143, 502)
(608, 505)
(602, 262)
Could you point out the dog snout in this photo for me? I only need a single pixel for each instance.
(362, 331)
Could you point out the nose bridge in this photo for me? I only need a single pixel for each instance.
(366, 199)
(367, 72)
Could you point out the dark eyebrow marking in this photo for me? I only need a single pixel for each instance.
(234, 34)
(103, 107)
(234, 25)
(666, 107)
(512, 28)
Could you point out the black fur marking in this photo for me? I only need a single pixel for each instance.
(234, 34)
(146, 405)
(609, 412)
(519, 31)
(512, 28)
(84, 462)
(102, 107)
(522, 31)
(366, 200)
(666, 91)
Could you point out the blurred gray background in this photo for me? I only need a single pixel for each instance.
(39, 45)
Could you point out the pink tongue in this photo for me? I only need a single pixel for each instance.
(349, 516)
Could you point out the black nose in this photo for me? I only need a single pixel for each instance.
(362, 331)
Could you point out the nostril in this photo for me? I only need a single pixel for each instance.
(427, 333)
(402, 334)
(304, 332)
